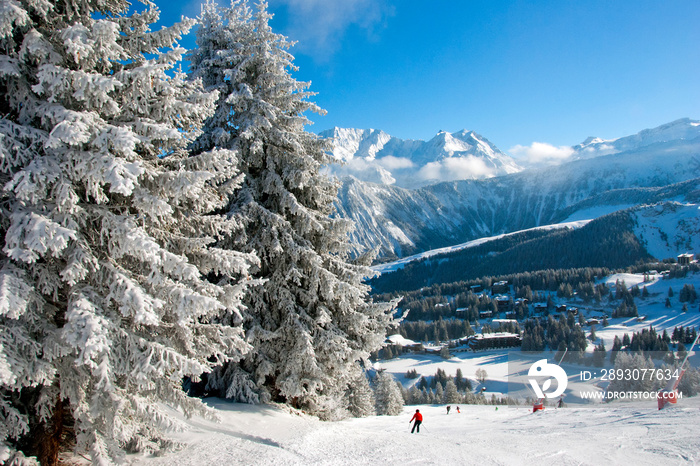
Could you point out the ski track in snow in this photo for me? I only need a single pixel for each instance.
(619, 433)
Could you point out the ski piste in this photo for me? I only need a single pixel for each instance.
(669, 394)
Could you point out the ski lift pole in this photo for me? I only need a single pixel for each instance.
(687, 354)
(562, 356)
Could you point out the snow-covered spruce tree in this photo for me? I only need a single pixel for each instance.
(110, 289)
(452, 395)
(310, 322)
(388, 395)
(360, 397)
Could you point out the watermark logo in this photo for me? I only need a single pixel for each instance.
(541, 369)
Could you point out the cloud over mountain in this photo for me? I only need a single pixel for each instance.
(373, 155)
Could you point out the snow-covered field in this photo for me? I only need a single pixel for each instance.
(620, 433)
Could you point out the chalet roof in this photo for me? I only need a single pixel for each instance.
(504, 321)
(490, 336)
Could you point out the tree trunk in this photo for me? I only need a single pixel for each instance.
(48, 436)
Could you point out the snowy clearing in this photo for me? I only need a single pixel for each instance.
(618, 433)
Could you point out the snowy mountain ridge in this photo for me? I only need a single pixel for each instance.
(681, 129)
(396, 265)
(375, 156)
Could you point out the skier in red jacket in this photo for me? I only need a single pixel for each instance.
(419, 419)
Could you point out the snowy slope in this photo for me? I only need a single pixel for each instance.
(669, 229)
(402, 222)
(599, 433)
(617, 434)
(374, 156)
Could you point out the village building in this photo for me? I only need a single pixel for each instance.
(504, 303)
(685, 259)
(493, 340)
(500, 288)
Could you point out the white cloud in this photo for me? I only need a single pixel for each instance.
(319, 25)
(541, 153)
(457, 168)
(366, 170)
(598, 150)
(394, 163)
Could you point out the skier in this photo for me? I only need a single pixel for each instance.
(448, 410)
(458, 411)
(419, 420)
(561, 402)
(538, 405)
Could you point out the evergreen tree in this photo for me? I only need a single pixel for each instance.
(626, 340)
(631, 361)
(687, 294)
(389, 400)
(360, 397)
(414, 396)
(461, 382)
(689, 385)
(599, 355)
(422, 383)
(681, 351)
(617, 346)
(451, 394)
(439, 394)
(111, 290)
(310, 322)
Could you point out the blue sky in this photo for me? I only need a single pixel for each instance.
(516, 72)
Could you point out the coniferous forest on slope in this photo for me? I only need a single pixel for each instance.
(604, 242)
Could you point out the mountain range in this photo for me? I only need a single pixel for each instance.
(374, 156)
(602, 176)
